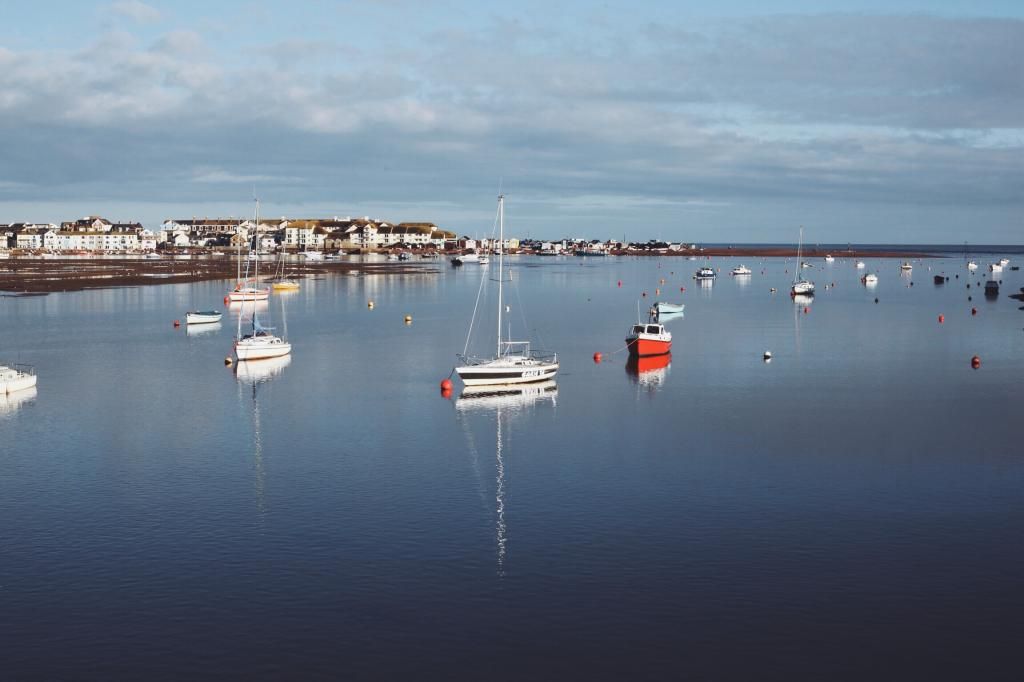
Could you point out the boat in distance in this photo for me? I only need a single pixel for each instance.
(202, 316)
(801, 287)
(741, 270)
(870, 278)
(705, 273)
(16, 378)
(906, 267)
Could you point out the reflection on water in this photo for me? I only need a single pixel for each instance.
(261, 370)
(802, 299)
(202, 329)
(650, 372)
(504, 402)
(11, 402)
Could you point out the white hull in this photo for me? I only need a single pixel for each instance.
(972, 266)
(995, 267)
(261, 348)
(11, 380)
(860, 264)
(249, 295)
(803, 289)
(669, 308)
(313, 255)
(501, 372)
(202, 318)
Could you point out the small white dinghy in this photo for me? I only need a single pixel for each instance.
(16, 378)
(202, 316)
(665, 308)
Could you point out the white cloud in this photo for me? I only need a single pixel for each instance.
(136, 11)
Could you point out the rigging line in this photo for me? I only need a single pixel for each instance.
(479, 292)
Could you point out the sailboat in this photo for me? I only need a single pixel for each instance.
(283, 282)
(514, 362)
(246, 290)
(801, 287)
(259, 343)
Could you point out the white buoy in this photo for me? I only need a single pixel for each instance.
(767, 355)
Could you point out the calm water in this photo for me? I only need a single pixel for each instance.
(852, 510)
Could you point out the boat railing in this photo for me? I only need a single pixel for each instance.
(24, 369)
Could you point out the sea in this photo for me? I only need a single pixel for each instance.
(850, 509)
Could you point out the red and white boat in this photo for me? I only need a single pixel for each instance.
(651, 338)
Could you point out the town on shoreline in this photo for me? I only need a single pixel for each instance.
(95, 235)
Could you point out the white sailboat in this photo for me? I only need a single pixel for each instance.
(514, 362)
(801, 287)
(259, 343)
(244, 289)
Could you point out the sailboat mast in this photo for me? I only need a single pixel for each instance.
(799, 250)
(256, 282)
(501, 240)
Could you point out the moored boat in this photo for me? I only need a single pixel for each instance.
(995, 267)
(666, 308)
(650, 338)
(906, 267)
(860, 265)
(16, 378)
(741, 270)
(801, 287)
(705, 273)
(514, 361)
(202, 316)
(870, 278)
(972, 266)
(829, 258)
(312, 255)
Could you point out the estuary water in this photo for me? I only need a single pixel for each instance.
(852, 509)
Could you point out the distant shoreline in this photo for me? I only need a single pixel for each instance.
(779, 252)
(33, 276)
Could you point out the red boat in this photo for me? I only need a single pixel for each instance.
(649, 339)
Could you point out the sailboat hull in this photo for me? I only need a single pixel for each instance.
(240, 295)
(501, 372)
(261, 348)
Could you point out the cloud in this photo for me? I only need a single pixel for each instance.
(710, 118)
(136, 11)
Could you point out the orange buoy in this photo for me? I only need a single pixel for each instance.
(597, 358)
(408, 319)
(227, 299)
(942, 318)
(369, 304)
(974, 311)
(446, 393)
(446, 384)
(975, 362)
(177, 323)
(806, 310)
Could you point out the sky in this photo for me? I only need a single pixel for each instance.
(727, 122)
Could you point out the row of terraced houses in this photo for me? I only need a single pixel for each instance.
(97, 234)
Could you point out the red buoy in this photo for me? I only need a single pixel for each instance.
(446, 384)
(227, 299)
(942, 318)
(446, 393)
(974, 311)
(806, 310)
(620, 283)
(177, 323)
(597, 358)
(975, 362)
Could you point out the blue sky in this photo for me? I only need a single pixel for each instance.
(871, 122)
